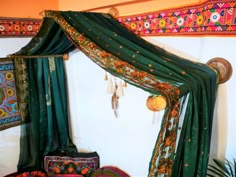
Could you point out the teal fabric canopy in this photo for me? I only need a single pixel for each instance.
(177, 153)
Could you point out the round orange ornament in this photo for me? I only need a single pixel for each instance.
(156, 103)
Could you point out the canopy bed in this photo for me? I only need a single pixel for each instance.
(181, 149)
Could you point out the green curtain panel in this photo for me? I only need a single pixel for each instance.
(46, 129)
(177, 153)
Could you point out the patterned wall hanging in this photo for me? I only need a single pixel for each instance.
(19, 27)
(213, 17)
(9, 112)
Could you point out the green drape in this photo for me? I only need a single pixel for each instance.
(47, 128)
(111, 46)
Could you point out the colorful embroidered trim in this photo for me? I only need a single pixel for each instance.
(19, 27)
(213, 17)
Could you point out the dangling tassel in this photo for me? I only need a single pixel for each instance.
(159, 117)
(120, 91)
(115, 85)
(124, 84)
(115, 101)
(116, 90)
(105, 77)
(153, 118)
(110, 86)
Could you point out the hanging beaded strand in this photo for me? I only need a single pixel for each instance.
(115, 87)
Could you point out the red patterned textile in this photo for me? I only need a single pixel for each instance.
(213, 17)
(19, 27)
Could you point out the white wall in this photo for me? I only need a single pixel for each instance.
(126, 141)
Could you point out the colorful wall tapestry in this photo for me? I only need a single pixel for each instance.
(18, 27)
(9, 112)
(213, 17)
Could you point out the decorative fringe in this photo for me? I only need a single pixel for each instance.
(153, 118)
(110, 86)
(115, 101)
(116, 90)
(105, 77)
(157, 117)
(120, 91)
(124, 84)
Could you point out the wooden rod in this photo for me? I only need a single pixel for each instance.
(65, 56)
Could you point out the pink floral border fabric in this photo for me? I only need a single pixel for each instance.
(213, 17)
(19, 27)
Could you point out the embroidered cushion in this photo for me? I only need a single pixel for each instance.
(66, 175)
(78, 163)
(109, 171)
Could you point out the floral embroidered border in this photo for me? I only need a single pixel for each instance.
(213, 17)
(19, 27)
